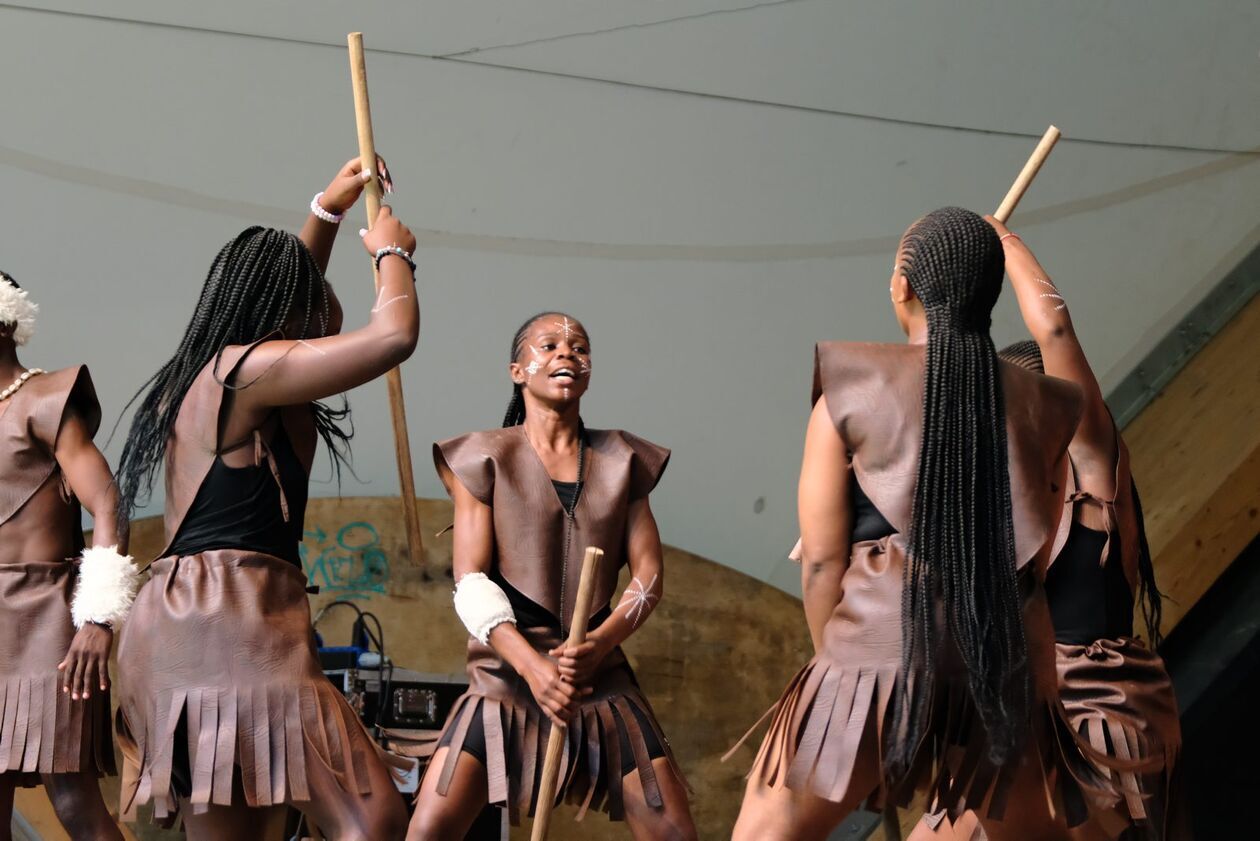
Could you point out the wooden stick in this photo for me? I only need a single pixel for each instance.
(555, 741)
(393, 380)
(1027, 174)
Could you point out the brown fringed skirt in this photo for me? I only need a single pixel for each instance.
(42, 730)
(516, 734)
(219, 676)
(1118, 695)
(838, 708)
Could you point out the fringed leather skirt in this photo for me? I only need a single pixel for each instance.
(836, 712)
(516, 733)
(1118, 695)
(43, 730)
(219, 676)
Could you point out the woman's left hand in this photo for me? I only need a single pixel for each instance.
(579, 664)
(346, 187)
(87, 661)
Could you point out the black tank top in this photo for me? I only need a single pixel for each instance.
(868, 522)
(241, 507)
(1089, 596)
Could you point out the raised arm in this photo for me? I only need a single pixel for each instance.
(1045, 313)
(292, 372)
(579, 664)
(107, 578)
(320, 231)
(826, 519)
(484, 608)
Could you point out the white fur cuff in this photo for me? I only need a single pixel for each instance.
(107, 587)
(482, 605)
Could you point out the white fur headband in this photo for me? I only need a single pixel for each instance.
(18, 309)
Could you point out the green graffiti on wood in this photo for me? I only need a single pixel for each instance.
(352, 566)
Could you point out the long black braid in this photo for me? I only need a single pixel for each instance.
(515, 414)
(961, 540)
(1027, 354)
(256, 284)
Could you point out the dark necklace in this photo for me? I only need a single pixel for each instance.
(569, 520)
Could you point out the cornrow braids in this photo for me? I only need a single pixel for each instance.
(515, 414)
(255, 284)
(1027, 354)
(961, 544)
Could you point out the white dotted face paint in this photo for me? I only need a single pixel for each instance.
(639, 600)
(535, 366)
(1053, 294)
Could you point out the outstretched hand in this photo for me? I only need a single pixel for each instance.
(347, 185)
(87, 661)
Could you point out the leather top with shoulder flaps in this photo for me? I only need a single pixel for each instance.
(873, 393)
(501, 469)
(28, 433)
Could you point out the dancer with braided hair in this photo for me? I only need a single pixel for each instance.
(930, 493)
(224, 709)
(1115, 688)
(58, 616)
(529, 498)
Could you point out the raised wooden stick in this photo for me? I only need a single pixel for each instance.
(555, 741)
(393, 380)
(1027, 174)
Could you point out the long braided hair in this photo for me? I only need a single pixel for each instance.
(256, 284)
(1027, 354)
(961, 553)
(515, 414)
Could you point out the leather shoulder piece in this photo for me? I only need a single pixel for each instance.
(473, 459)
(647, 461)
(54, 394)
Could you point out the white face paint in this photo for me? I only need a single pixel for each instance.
(1053, 294)
(535, 366)
(639, 600)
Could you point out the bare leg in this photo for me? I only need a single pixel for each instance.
(349, 816)
(7, 784)
(76, 798)
(673, 822)
(233, 823)
(439, 817)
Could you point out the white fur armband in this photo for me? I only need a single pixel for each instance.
(107, 587)
(482, 605)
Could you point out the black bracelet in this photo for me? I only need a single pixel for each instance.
(397, 252)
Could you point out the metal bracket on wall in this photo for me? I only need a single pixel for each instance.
(1181, 343)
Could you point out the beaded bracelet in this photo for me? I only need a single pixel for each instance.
(396, 251)
(318, 211)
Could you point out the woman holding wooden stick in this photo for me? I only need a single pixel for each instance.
(225, 711)
(528, 497)
(1115, 688)
(929, 496)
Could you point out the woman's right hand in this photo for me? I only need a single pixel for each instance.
(557, 697)
(388, 231)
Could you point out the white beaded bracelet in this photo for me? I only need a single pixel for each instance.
(323, 215)
(381, 253)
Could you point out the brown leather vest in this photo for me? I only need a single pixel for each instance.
(875, 394)
(28, 442)
(195, 444)
(501, 469)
